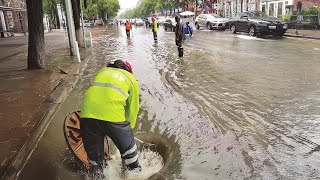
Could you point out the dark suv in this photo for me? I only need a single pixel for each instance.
(257, 23)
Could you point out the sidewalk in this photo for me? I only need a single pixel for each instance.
(310, 34)
(27, 95)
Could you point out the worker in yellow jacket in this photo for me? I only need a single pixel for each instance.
(155, 29)
(110, 108)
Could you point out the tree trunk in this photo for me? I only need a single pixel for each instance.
(36, 46)
(57, 16)
(85, 4)
(76, 19)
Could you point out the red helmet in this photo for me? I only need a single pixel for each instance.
(128, 66)
(122, 65)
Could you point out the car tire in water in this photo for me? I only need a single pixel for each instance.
(197, 26)
(233, 29)
(208, 26)
(278, 34)
(252, 31)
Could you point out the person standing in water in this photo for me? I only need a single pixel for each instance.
(179, 36)
(155, 29)
(128, 28)
(110, 108)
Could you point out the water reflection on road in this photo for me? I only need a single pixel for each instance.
(234, 107)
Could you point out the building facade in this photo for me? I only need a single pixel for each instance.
(306, 4)
(13, 16)
(275, 8)
(278, 8)
(230, 8)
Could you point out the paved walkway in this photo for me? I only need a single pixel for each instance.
(24, 93)
(311, 34)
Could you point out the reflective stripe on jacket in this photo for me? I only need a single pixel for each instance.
(113, 97)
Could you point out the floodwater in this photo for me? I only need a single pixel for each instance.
(234, 107)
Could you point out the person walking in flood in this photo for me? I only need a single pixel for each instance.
(179, 36)
(110, 108)
(155, 29)
(128, 28)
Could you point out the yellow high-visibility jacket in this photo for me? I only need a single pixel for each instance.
(113, 97)
(155, 26)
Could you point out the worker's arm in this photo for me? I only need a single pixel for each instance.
(132, 108)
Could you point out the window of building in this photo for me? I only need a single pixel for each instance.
(263, 8)
(271, 9)
(280, 9)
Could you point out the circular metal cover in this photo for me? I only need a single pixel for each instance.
(74, 140)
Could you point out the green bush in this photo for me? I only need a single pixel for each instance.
(311, 11)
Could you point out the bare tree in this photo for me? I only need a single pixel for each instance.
(76, 18)
(36, 46)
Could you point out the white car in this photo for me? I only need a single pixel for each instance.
(139, 22)
(161, 20)
(98, 22)
(211, 21)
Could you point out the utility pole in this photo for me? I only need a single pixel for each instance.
(195, 7)
(70, 27)
(84, 38)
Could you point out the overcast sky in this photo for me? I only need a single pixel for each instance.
(127, 4)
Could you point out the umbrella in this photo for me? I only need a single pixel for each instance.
(187, 13)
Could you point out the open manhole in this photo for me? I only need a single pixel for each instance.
(162, 146)
(154, 158)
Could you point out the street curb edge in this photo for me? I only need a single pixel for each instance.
(14, 169)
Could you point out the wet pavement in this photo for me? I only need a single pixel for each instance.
(23, 93)
(234, 107)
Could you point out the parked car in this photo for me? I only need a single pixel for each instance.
(98, 22)
(211, 21)
(161, 20)
(169, 24)
(87, 23)
(257, 23)
(122, 21)
(111, 22)
(149, 21)
(139, 22)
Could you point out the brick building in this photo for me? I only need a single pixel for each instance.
(307, 3)
(277, 8)
(13, 16)
(229, 8)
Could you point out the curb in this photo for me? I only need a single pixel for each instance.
(58, 95)
(301, 36)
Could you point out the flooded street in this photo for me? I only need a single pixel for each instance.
(234, 107)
